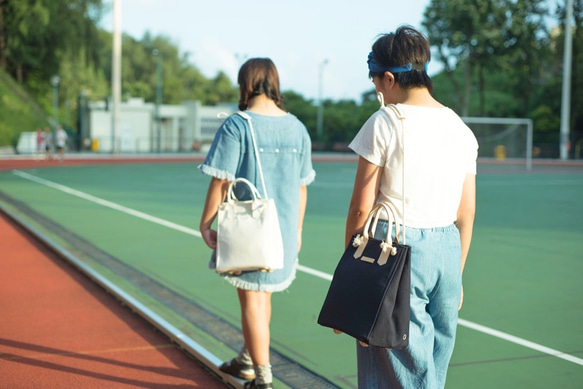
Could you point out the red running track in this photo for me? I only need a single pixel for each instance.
(60, 330)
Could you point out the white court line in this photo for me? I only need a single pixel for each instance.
(520, 341)
(316, 273)
(106, 203)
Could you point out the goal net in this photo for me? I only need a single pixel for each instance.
(503, 139)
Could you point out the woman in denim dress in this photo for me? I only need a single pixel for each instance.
(439, 158)
(285, 151)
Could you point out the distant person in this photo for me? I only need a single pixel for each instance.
(48, 139)
(440, 154)
(285, 156)
(40, 143)
(195, 146)
(60, 142)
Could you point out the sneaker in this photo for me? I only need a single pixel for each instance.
(234, 368)
(254, 385)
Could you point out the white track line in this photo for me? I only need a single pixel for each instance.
(316, 273)
(106, 203)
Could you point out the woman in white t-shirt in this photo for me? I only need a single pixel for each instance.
(440, 154)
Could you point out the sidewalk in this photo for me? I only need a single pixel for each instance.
(60, 330)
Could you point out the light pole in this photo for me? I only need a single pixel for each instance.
(116, 75)
(158, 56)
(55, 81)
(566, 88)
(320, 122)
(83, 141)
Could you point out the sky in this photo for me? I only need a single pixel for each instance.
(302, 37)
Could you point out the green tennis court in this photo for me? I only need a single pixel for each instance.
(522, 321)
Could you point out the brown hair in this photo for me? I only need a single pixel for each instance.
(404, 46)
(258, 76)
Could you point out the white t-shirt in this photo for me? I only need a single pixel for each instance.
(61, 138)
(439, 151)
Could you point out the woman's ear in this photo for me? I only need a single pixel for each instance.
(389, 79)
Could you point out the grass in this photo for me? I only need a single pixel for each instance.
(18, 111)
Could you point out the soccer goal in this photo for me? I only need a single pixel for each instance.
(501, 139)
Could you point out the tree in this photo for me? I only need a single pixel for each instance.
(181, 80)
(465, 34)
(41, 35)
(38, 33)
(2, 40)
(23, 33)
(526, 51)
(220, 89)
(305, 110)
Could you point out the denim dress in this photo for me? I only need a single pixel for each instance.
(285, 151)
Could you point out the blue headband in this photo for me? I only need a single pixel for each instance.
(374, 66)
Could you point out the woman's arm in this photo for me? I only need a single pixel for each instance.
(303, 202)
(465, 219)
(364, 194)
(465, 215)
(216, 194)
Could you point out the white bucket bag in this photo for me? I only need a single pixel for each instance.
(248, 233)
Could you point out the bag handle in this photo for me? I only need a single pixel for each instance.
(231, 196)
(387, 245)
(373, 217)
(245, 116)
(401, 118)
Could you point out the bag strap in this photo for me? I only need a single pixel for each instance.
(401, 118)
(231, 195)
(245, 116)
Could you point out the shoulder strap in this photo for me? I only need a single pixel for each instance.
(245, 116)
(401, 118)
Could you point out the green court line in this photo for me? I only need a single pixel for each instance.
(317, 273)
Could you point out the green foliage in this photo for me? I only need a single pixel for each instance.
(220, 90)
(18, 111)
(500, 60)
(342, 119)
(467, 34)
(38, 33)
(545, 122)
(58, 37)
(305, 110)
(181, 80)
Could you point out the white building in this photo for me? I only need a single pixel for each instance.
(185, 127)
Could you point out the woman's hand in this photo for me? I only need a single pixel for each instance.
(210, 237)
(299, 239)
(215, 196)
(337, 332)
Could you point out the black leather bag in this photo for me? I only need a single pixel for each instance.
(368, 298)
(369, 295)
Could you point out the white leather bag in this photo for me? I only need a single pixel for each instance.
(248, 234)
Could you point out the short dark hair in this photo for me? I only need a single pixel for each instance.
(256, 77)
(405, 46)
